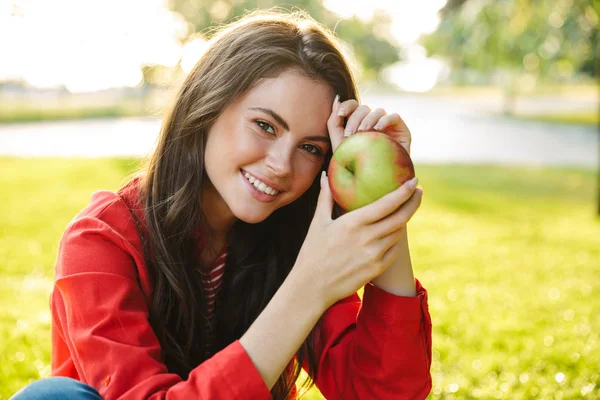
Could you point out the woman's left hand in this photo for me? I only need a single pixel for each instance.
(361, 118)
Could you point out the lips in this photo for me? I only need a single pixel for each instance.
(264, 180)
(261, 196)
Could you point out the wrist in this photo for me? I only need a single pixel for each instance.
(280, 329)
(298, 285)
(398, 278)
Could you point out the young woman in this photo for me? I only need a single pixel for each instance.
(219, 272)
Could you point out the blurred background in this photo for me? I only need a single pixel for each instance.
(502, 101)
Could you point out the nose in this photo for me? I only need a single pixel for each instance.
(278, 159)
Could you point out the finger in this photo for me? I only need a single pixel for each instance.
(391, 254)
(384, 245)
(335, 123)
(383, 206)
(399, 218)
(371, 119)
(325, 201)
(391, 120)
(387, 241)
(347, 107)
(355, 119)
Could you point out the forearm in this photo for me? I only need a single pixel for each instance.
(398, 279)
(276, 335)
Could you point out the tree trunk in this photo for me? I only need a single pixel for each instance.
(598, 83)
(509, 106)
(510, 101)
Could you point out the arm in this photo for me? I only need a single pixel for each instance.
(384, 352)
(377, 349)
(279, 331)
(380, 348)
(291, 314)
(398, 279)
(100, 315)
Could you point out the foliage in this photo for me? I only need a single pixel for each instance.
(538, 37)
(373, 51)
(509, 257)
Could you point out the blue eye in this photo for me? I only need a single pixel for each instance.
(265, 127)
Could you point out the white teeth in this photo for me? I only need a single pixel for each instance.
(261, 186)
(249, 177)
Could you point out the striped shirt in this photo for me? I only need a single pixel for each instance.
(212, 281)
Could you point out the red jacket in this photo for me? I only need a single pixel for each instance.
(379, 348)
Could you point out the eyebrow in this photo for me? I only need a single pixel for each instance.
(282, 122)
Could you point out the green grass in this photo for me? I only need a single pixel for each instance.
(585, 117)
(77, 107)
(585, 90)
(72, 112)
(510, 256)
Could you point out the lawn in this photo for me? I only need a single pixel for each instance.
(31, 108)
(510, 256)
(583, 117)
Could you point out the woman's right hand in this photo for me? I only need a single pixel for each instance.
(340, 256)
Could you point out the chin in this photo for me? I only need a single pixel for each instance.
(251, 216)
(252, 220)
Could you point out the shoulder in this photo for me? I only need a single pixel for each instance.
(108, 228)
(119, 209)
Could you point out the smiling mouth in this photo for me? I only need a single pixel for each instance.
(259, 185)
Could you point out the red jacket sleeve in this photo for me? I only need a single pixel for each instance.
(380, 349)
(100, 313)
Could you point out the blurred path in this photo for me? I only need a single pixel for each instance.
(444, 130)
(462, 131)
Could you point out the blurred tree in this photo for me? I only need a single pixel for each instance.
(450, 6)
(157, 75)
(536, 38)
(509, 40)
(367, 40)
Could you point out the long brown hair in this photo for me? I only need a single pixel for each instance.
(260, 256)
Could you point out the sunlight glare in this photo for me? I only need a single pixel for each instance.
(192, 51)
(87, 46)
(409, 18)
(96, 45)
(416, 73)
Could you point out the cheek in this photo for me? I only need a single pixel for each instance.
(250, 149)
(233, 149)
(305, 173)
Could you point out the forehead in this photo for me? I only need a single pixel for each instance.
(304, 103)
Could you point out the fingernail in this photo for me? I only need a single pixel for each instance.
(341, 112)
(323, 178)
(335, 101)
(347, 132)
(413, 182)
(377, 126)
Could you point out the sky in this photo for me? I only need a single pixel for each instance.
(90, 45)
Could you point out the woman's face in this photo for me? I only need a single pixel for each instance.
(268, 146)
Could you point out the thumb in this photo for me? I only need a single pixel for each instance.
(325, 201)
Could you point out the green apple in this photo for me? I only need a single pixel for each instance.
(367, 166)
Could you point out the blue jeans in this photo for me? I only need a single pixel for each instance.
(57, 388)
